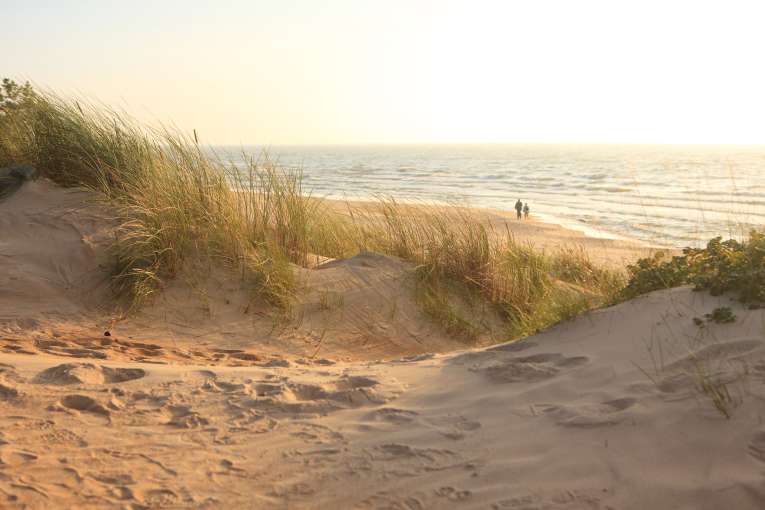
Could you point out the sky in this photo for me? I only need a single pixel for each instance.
(390, 71)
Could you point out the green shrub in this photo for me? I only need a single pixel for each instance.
(732, 266)
(721, 315)
(14, 96)
(655, 273)
(16, 107)
(720, 267)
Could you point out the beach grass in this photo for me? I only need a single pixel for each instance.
(455, 249)
(174, 201)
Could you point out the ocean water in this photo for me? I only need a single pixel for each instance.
(663, 195)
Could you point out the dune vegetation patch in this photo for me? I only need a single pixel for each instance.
(175, 201)
(731, 266)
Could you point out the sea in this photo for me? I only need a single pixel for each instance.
(671, 196)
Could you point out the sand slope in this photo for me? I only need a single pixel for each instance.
(565, 419)
(52, 255)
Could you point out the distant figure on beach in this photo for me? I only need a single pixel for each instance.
(526, 210)
(519, 208)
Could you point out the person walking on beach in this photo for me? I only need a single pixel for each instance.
(526, 210)
(519, 208)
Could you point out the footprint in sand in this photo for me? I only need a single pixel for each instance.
(63, 437)
(157, 498)
(315, 433)
(267, 389)
(275, 363)
(453, 426)
(118, 375)
(235, 354)
(453, 494)
(757, 447)
(565, 499)
(716, 351)
(44, 344)
(84, 404)
(589, 415)
(8, 374)
(143, 348)
(16, 457)
(298, 398)
(184, 417)
(124, 493)
(388, 500)
(149, 407)
(218, 386)
(392, 415)
(404, 460)
(113, 478)
(247, 420)
(9, 394)
(14, 346)
(61, 348)
(87, 373)
(529, 502)
(537, 367)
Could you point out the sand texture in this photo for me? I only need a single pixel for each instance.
(201, 401)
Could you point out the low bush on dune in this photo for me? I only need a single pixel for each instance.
(722, 266)
(175, 202)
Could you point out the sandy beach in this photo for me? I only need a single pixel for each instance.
(201, 401)
(382, 255)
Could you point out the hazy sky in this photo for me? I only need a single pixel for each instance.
(335, 71)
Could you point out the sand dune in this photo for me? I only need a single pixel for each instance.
(565, 419)
(54, 282)
(193, 403)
